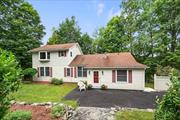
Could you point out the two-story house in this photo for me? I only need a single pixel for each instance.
(66, 61)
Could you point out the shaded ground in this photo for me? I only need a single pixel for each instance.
(38, 112)
(112, 98)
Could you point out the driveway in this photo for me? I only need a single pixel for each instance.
(112, 98)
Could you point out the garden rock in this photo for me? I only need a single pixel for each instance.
(93, 113)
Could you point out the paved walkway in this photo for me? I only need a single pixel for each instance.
(112, 98)
(92, 113)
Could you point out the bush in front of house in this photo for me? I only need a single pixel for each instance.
(57, 111)
(89, 86)
(56, 81)
(104, 87)
(18, 115)
(29, 73)
(168, 107)
(10, 79)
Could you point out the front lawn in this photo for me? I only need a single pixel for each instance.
(134, 115)
(43, 93)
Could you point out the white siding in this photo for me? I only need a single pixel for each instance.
(57, 63)
(138, 80)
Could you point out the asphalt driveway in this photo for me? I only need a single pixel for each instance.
(112, 98)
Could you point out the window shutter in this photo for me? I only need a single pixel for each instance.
(71, 72)
(50, 71)
(130, 76)
(64, 72)
(113, 76)
(75, 72)
(65, 53)
(38, 72)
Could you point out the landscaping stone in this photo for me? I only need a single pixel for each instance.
(92, 113)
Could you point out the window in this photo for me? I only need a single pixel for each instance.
(82, 72)
(122, 75)
(68, 72)
(44, 71)
(41, 71)
(44, 55)
(79, 71)
(71, 54)
(47, 71)
(62, 53)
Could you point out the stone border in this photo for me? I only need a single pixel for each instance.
(69, 109)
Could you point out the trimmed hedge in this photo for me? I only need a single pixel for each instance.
(56, 81)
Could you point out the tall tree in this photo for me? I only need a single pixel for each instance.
(69, 32)
(20, 29)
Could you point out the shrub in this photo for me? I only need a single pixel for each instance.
(18, 115)
(104, 87)
(163, 71)
(89, 87)
(29, 73)
(10, 78)
(168, 107)
(58, 111)
(56, 81)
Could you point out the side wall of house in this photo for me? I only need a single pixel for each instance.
(57, 63)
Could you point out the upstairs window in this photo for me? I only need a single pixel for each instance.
(44, 55)
(122, 75)
(62, 53)
(71, 54)
(82, 72)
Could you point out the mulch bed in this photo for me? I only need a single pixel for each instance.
(38, 112)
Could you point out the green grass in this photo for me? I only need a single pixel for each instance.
(44, 93)
(151, 85)
(134, 115)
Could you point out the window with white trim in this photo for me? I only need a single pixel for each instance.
(44, 71)
(62, 53)
(82, 72)
(44, 55)
(122, 75)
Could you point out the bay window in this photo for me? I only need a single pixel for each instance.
(44, 55)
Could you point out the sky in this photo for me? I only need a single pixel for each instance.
(90, 14)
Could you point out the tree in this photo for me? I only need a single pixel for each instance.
(10, 77)
(168, 107)
(21, 29)
(86, 43)
(69, 32)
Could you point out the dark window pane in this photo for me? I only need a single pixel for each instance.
(79, 71)
(42, 55)
(47, 71)
(48, 55)
(41, 71)
(71, 54)
(84, 72)
(68, 72)
(122, 75)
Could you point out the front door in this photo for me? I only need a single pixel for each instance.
(96, 77)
